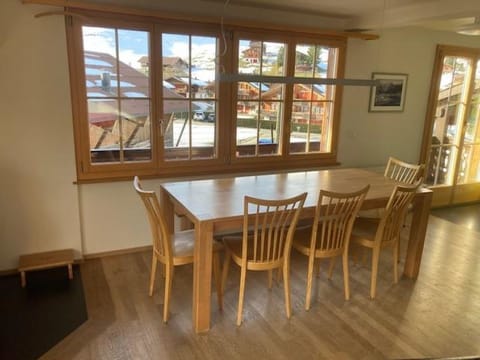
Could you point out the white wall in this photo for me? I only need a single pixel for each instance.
(40, 207)
(367, 139)
(38, 202)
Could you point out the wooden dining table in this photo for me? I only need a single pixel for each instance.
(216, 205)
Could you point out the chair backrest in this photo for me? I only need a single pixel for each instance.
(268, 228)
(393, 218)
(403, 171)
(334, 218)
(160, 236)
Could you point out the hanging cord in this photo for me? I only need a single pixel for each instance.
(224, 39)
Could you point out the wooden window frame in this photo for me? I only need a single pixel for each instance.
(226, 162)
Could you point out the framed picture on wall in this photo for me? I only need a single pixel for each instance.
(389, 94)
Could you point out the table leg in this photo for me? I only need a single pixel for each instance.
(202, 276)
(421, 212)
(168, 210)
(70, 271)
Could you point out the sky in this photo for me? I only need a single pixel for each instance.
(133, 44)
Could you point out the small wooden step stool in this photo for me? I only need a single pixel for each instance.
(45, 260)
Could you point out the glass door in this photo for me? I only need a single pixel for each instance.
(451, 147)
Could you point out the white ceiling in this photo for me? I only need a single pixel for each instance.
(373, 14)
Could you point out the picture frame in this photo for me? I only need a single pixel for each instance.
(389, 94)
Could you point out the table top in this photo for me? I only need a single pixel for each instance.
(222, 198)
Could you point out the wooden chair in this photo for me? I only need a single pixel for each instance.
(329, 235)
(172, 249)
(402, 171)
(265, 242)
(376, 234)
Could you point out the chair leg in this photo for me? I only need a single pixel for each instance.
(398, 249)
(364, 256)
(317, 265)
(279, 273)
(308, 296)
(346, 283)
(355, 250)
(286, 288)
(375, 259)
(226, 266)
(395, 262)
(270, 278)
(152, 274)
(243, 275)
(162, 270)
(331, 267)
(217, 274)
(168, 289)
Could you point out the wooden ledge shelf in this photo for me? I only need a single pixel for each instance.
(45, 260)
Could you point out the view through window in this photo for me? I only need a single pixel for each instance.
(152, 101)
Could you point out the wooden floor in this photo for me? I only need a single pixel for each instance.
(436, 316)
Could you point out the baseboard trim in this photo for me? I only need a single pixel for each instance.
(117, 252)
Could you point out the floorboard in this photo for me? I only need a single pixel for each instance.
(433, 317)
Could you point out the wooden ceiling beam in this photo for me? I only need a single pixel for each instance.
(86, 5)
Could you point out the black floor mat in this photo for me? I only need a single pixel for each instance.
(33, 319)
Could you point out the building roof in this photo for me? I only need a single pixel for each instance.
(104, 83)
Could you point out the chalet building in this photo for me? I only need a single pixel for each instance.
(103, 82)
(309, 100)
(253, 54)
(144, 62)
(171, 64)
(200, 89)
(174, 65)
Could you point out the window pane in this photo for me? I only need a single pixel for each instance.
(448, 123)
(247, 119)
(312, 108)
(325, 62)
(248, 90)
(270, 120)
(302, 92)
(204, 122)
(103, 128)
(203, 66)
(249, 57)
(440, 165)
(260, 105)
(175, 61)
(273, 59)
(306, 127)
(304, 60)
(135, 129)
(176, 136)
(189, 70)
(246, 110)
(272, 91)
(116, 72)
(469, 171)
(133, 69)
(472, 131)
